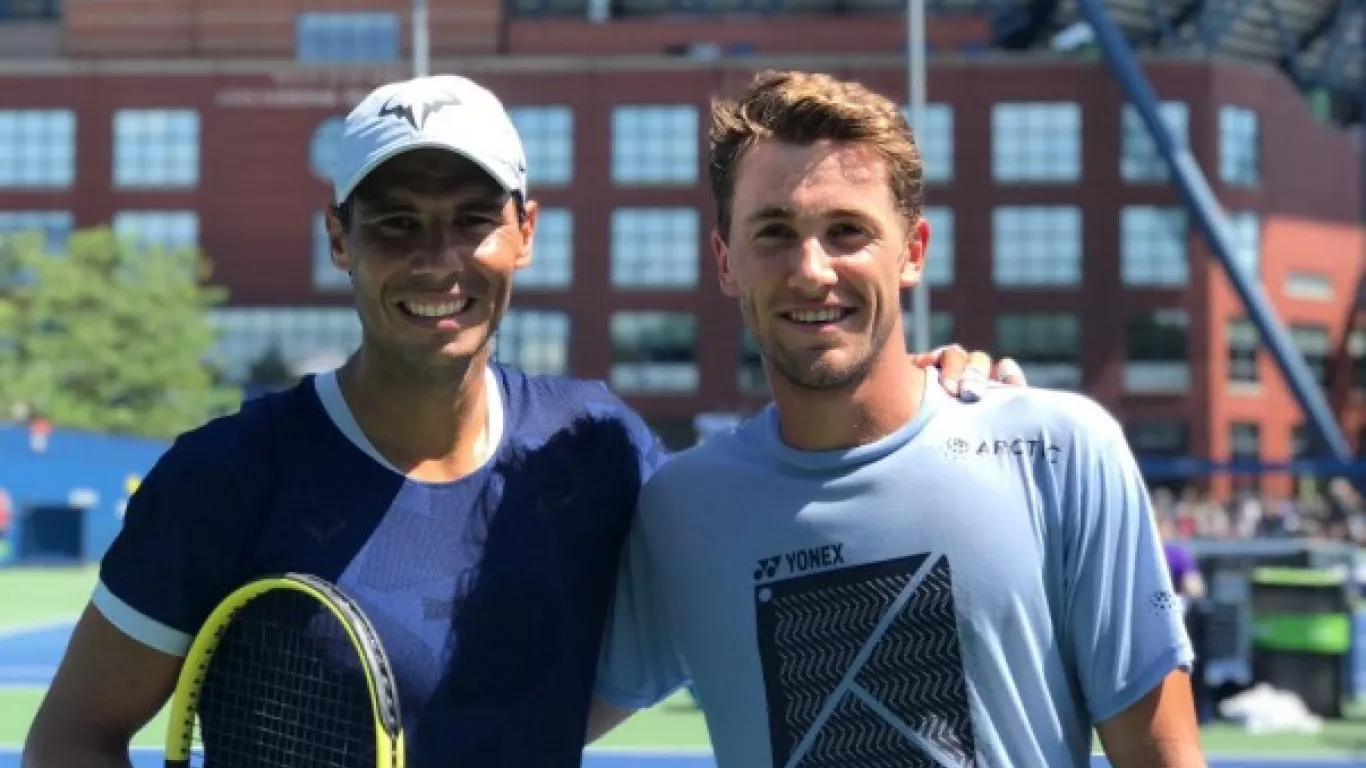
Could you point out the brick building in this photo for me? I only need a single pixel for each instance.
(1057, 237)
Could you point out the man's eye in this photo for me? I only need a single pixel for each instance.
(471, 221)
(397, 226)
(846, 231)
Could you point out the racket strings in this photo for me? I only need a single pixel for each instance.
(284, 689)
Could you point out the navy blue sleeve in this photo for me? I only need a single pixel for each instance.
(649, 447)
(638, 666)
(183, 532)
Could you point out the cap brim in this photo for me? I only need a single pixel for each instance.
(499, 174)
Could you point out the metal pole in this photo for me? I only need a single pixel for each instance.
(421, 41)
(1208, 214)
(915, 83)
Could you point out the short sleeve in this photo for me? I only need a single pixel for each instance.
(1126, 626)
(651, 450)
(640, 665)
(174, 557)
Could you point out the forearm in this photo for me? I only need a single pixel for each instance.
(1159, 731)
(1175, 753)
(73, 753)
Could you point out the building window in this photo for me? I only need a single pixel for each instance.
(322, 150)
(1356, 350)
(552, 253)
(654, 353)
(939, 259)
(1155, 358)
(37, 148)
(54, 227)
(1312, 342)
(749, 375)
(168, 230)
(1036, 246)
(1047, 345)
(327, 277)
(655, 145)
(1159, 437)
(1246, 229)
(1245, 446)
(1308, 286)
(941, 329)
(1243, 343)
(156, 148)
(1240, 149)
(1140, 160)
(548, 137)
(1153, 246)
(535, 341)
(309, 340)
(1036, 143)
(347, 37)
(655, 247)
(934, 139)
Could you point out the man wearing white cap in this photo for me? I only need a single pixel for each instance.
(474, 512)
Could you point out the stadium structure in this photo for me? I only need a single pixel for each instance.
(1158, 202)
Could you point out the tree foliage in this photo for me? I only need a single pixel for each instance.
(110, 336)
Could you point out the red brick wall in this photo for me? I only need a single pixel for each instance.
(242, 28)
(257, 194)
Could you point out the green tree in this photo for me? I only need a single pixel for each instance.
(111, 336)
(271, 370)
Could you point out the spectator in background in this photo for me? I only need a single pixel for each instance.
(1185, 573)
(39, 432)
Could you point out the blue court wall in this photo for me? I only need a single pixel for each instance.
(74, 461)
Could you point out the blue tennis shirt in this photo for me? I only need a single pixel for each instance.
(977, 589)
(490, 593)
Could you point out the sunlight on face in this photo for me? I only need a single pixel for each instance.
(817, 255)
(432, 246)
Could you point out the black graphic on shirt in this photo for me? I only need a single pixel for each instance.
(862, 668)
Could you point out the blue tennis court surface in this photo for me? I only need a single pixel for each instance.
(29, 656)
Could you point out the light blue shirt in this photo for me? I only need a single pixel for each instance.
(979, 588)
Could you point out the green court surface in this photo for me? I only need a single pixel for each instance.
(41, 596)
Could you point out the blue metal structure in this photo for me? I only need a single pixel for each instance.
(1319, 44)
(1208, 214)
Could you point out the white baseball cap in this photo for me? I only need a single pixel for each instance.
(437, 112)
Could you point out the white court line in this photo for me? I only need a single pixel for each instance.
(626, 751)
(33, 629)
(1216, 759)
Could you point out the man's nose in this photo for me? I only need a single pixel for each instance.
(813, 269)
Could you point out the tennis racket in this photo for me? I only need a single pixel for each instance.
(286, 672)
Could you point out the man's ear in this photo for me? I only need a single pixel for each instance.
(336, 238)
(917, 247)
(528, 229)
(724, 275)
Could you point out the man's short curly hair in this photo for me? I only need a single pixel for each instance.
(802, 108)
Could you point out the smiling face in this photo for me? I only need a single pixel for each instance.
(432, 242)
(817, 251)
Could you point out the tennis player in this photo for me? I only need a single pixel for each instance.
(872, 574)
(474, 512)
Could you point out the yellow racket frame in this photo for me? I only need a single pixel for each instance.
(389, 741)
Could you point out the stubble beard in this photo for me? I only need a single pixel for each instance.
(820, 375)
